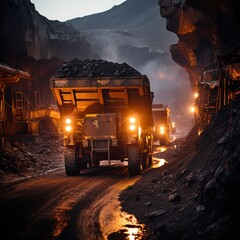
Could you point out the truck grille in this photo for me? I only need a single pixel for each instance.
(101, 126)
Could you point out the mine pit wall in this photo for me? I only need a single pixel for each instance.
(31, 42)
(205, 29)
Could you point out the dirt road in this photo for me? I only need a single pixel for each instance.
(54, 206)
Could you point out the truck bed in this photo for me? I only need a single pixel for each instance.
(105, 94)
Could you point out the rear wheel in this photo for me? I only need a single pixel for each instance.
(72, 163)
(134, 160)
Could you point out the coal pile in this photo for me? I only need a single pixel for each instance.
(95, 68)
(27, 156)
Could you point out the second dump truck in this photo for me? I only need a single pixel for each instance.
(106, 114)
(162, 124)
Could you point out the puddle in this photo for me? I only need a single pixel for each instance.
(131, 232)
(163, 149)
(159, 150)
(158, 162)
(117, 224)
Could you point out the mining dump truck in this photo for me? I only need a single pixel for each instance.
(106, 115)
(162, 124)
(218, 86)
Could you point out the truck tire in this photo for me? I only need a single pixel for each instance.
(72, 164)
(134, 160)
(79, 154)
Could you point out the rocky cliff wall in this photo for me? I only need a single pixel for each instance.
(206, 29)
(32, 43)
(24, 32)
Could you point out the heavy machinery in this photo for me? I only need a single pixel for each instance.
(162, 124)
(104, 118)
(218, 86)
(206, 98)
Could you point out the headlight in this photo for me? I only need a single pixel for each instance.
(68, 128)
(132, 124)
(162, 130)
(68, 121)
(192, 109)
(132, 127)
(196, 95)
(132, 119)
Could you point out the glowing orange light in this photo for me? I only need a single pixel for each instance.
(68, 128)
(132, 120)
(68, 121)
(196, 95)
(162, 130)
(132, 127)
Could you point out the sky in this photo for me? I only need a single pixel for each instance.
(63, 10)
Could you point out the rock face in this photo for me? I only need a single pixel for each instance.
(205, 30)
(25, 32)
(33, 43)
(195, 195)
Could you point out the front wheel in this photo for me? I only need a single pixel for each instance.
(71, 158)
(134, 160)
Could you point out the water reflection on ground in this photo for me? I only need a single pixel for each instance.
(158, 162)
(129, 227)
(131, 232)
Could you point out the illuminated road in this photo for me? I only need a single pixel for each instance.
(54, 206)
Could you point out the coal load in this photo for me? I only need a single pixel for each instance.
(95, 68)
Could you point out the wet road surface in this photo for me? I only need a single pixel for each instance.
(54, 206)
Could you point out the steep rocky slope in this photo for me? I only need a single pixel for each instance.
(31, 42)
(206, 29)
(194, 196)
(24, 32)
